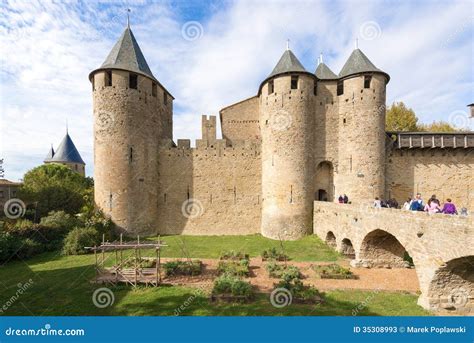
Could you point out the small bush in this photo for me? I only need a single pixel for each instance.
(8, 246)
(236, 268)
(333, 271)
(79, 238)
(233, 255)
(60, 220)
(279, 270)
(29, 248)
(102, 224)
(231, 285)
(183, 268)
(300, 291)
(50, 238)
(274, 254)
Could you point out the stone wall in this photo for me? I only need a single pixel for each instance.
(209, 190)
(447, 173)
(240, 121)
(434, 242)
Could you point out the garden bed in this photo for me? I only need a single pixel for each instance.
(188, 268)
(273, 254)
(333, 271)
(230, 288)
(276, 270)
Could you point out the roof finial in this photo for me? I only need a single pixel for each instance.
(288, 44)
(357, 43)
(321, 58)
(67, 128)
(128, 17)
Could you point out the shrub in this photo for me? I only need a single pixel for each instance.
(8, 246)
(79, 238)
(183, 268)
(60, 220)
(298, 289)
(231, 285)
(236, 268)
(233, 255)
(274, 254)
(29, 248)
(102, 224)
(278, 270)
(333, 271)
(50, 238)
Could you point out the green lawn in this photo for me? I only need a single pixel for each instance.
(61, 286)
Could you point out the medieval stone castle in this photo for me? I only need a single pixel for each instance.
(304, 136)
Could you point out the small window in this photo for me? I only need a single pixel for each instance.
(294, 82)
(340, 87)
(133, 81)
(315, 88)
(130, 156)
(271, 88)
(108, 78)
(153, 89)
(165, 97)
(367, 80)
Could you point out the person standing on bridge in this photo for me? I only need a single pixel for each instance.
(449, 207)
(432, 206)
(417, 203)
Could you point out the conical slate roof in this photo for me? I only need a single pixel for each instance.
(67, 152)
(324, 73)
(127, 55)
(359, 63)
(50, 155)
(288, 63)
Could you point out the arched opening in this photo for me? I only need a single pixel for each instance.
(452, 287)
(324, 182)
(381, 249)
(331, 239)
(347, 249)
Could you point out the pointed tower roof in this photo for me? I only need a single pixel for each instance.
(288, 63)
(324, 73)
(127, 55)
(359, 63)
(67, 152)
(50, 155)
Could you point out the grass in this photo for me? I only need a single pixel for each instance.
(61, 286)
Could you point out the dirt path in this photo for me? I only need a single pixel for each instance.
(368, 279)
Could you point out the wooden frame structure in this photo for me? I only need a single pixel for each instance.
(120, 272)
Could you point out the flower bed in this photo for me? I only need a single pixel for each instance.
(333, 271)
(301, 294)
(233, 255)
(178, 267)
(280, 270)
(234, 267)
(230, 288)
(274, 254)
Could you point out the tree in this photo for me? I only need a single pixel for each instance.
(54, 187)
(438, 126)
(400, 118)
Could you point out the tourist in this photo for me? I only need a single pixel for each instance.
(432, 206)
(377, 203)
(449, 207)
(392, 203)
(433, 198)
(463, 212)
(340, 199)
(346, 199)
(407, 204)
(417, 203)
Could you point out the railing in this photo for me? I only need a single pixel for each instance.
(429, 140)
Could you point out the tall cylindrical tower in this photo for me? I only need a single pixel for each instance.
(286, 122)
(132, 116)
(362, 139)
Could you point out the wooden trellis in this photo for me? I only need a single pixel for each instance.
(120, 272)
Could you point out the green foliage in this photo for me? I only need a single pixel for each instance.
(400, 118)
(79, 238)
(183, 268)
(53, 187)
(279, 270)
(298, 289)
(438, 126)
(49, 237)
(232, 267)
(140, 263)
(12, 247)
(274, 254)
(60, 220)
(233, 255)
(232, 285)
(333, 271)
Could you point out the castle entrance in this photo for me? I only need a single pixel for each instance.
(324, 182)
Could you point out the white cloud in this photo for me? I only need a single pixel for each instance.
(49, 48)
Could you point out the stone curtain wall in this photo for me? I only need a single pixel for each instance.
(209, 190)
(447, 173)
(433, 241)
(240, 121)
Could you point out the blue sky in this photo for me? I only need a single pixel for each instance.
(48, 49)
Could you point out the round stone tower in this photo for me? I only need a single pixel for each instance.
(361, 97)
(286, 106)
(132, 117)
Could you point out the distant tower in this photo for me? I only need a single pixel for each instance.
(286, 119)
(362, 138)
(67, 155)
(132, 117)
